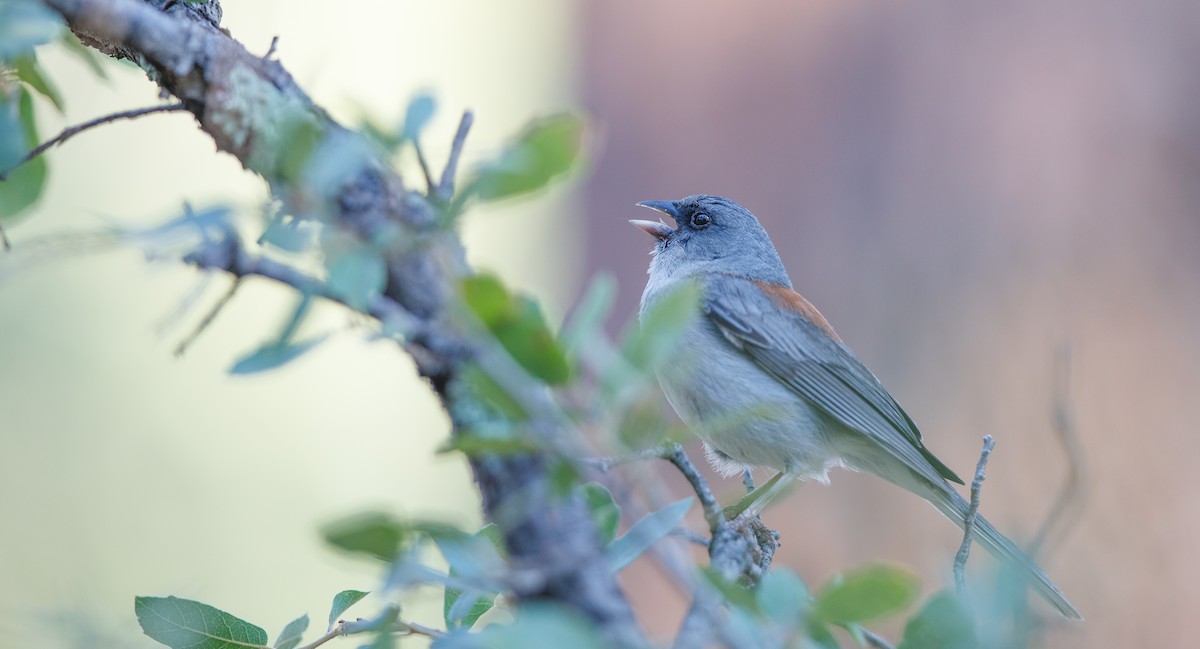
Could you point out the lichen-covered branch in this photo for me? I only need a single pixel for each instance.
(252, 109)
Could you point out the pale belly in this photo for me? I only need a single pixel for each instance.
(742, 412)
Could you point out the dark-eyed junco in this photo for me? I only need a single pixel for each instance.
(763, 379)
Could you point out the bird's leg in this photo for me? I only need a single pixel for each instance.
(754, 502)
(748, 480)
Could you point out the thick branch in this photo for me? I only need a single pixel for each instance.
(252, 108)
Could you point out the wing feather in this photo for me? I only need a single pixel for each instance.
(820, 369)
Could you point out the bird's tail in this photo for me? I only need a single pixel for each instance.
(954, 506)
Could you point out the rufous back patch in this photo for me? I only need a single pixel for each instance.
(788, 299)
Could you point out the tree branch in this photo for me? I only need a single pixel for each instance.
(251, 108)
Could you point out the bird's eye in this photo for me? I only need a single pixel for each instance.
(701, 220)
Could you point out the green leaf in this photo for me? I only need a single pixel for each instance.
(18, 135)
(478, 445)
(646, 533)
(289, 638)
(417, 116)
(358, 277)
(545, 149)
(943, 623)
(24, 25)
(185, 624)
(273, 355)
(518, 325)
(662, 327)
(84, 53)
(604, 510)
(866, 593)
(373, 533)
(342, 602)
(30, 72)
(821, 636)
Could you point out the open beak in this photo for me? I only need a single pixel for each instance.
(657, 229)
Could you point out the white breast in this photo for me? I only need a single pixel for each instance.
(739, 409)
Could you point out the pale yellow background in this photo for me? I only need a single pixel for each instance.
(125, 471)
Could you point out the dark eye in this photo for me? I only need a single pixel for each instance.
(700, 220)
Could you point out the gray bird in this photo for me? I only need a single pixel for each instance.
(763, 379)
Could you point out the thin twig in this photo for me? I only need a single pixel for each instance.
(446, 187)
(72, 131)
(420, 629)
(4, 239)
(964, 550)
(333, 633)
(271, 49)
(430, 186)
(605, 464)
(1067, 506)
(689, 536)
(674, 454)
(346, 627)
(209, 317)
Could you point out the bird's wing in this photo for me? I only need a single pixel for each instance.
(781, 332)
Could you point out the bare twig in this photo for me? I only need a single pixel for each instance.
(346, 627)
(605, 464)
(674, 454)
(271, 49)
(964, 550)
(1068, 505)
(430, 186)
(209, 317)
(412, 628)
(690, 536)
(446, 187)
(72, 131)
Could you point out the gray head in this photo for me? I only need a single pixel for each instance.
(712, 235)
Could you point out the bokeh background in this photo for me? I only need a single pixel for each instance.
(963, 189)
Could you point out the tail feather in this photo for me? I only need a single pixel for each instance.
(954, 506)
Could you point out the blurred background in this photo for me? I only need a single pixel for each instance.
(964, 190)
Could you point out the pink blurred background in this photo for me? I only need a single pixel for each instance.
(963, 189)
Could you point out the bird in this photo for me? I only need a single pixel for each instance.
(762, 378)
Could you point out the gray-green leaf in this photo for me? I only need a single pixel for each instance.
(273, 355)
(289, 638)
(646, 533)
(420, 110)
(358, 277)
(24, 25)
(943, 623)
(342, 602)
(185, 624)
